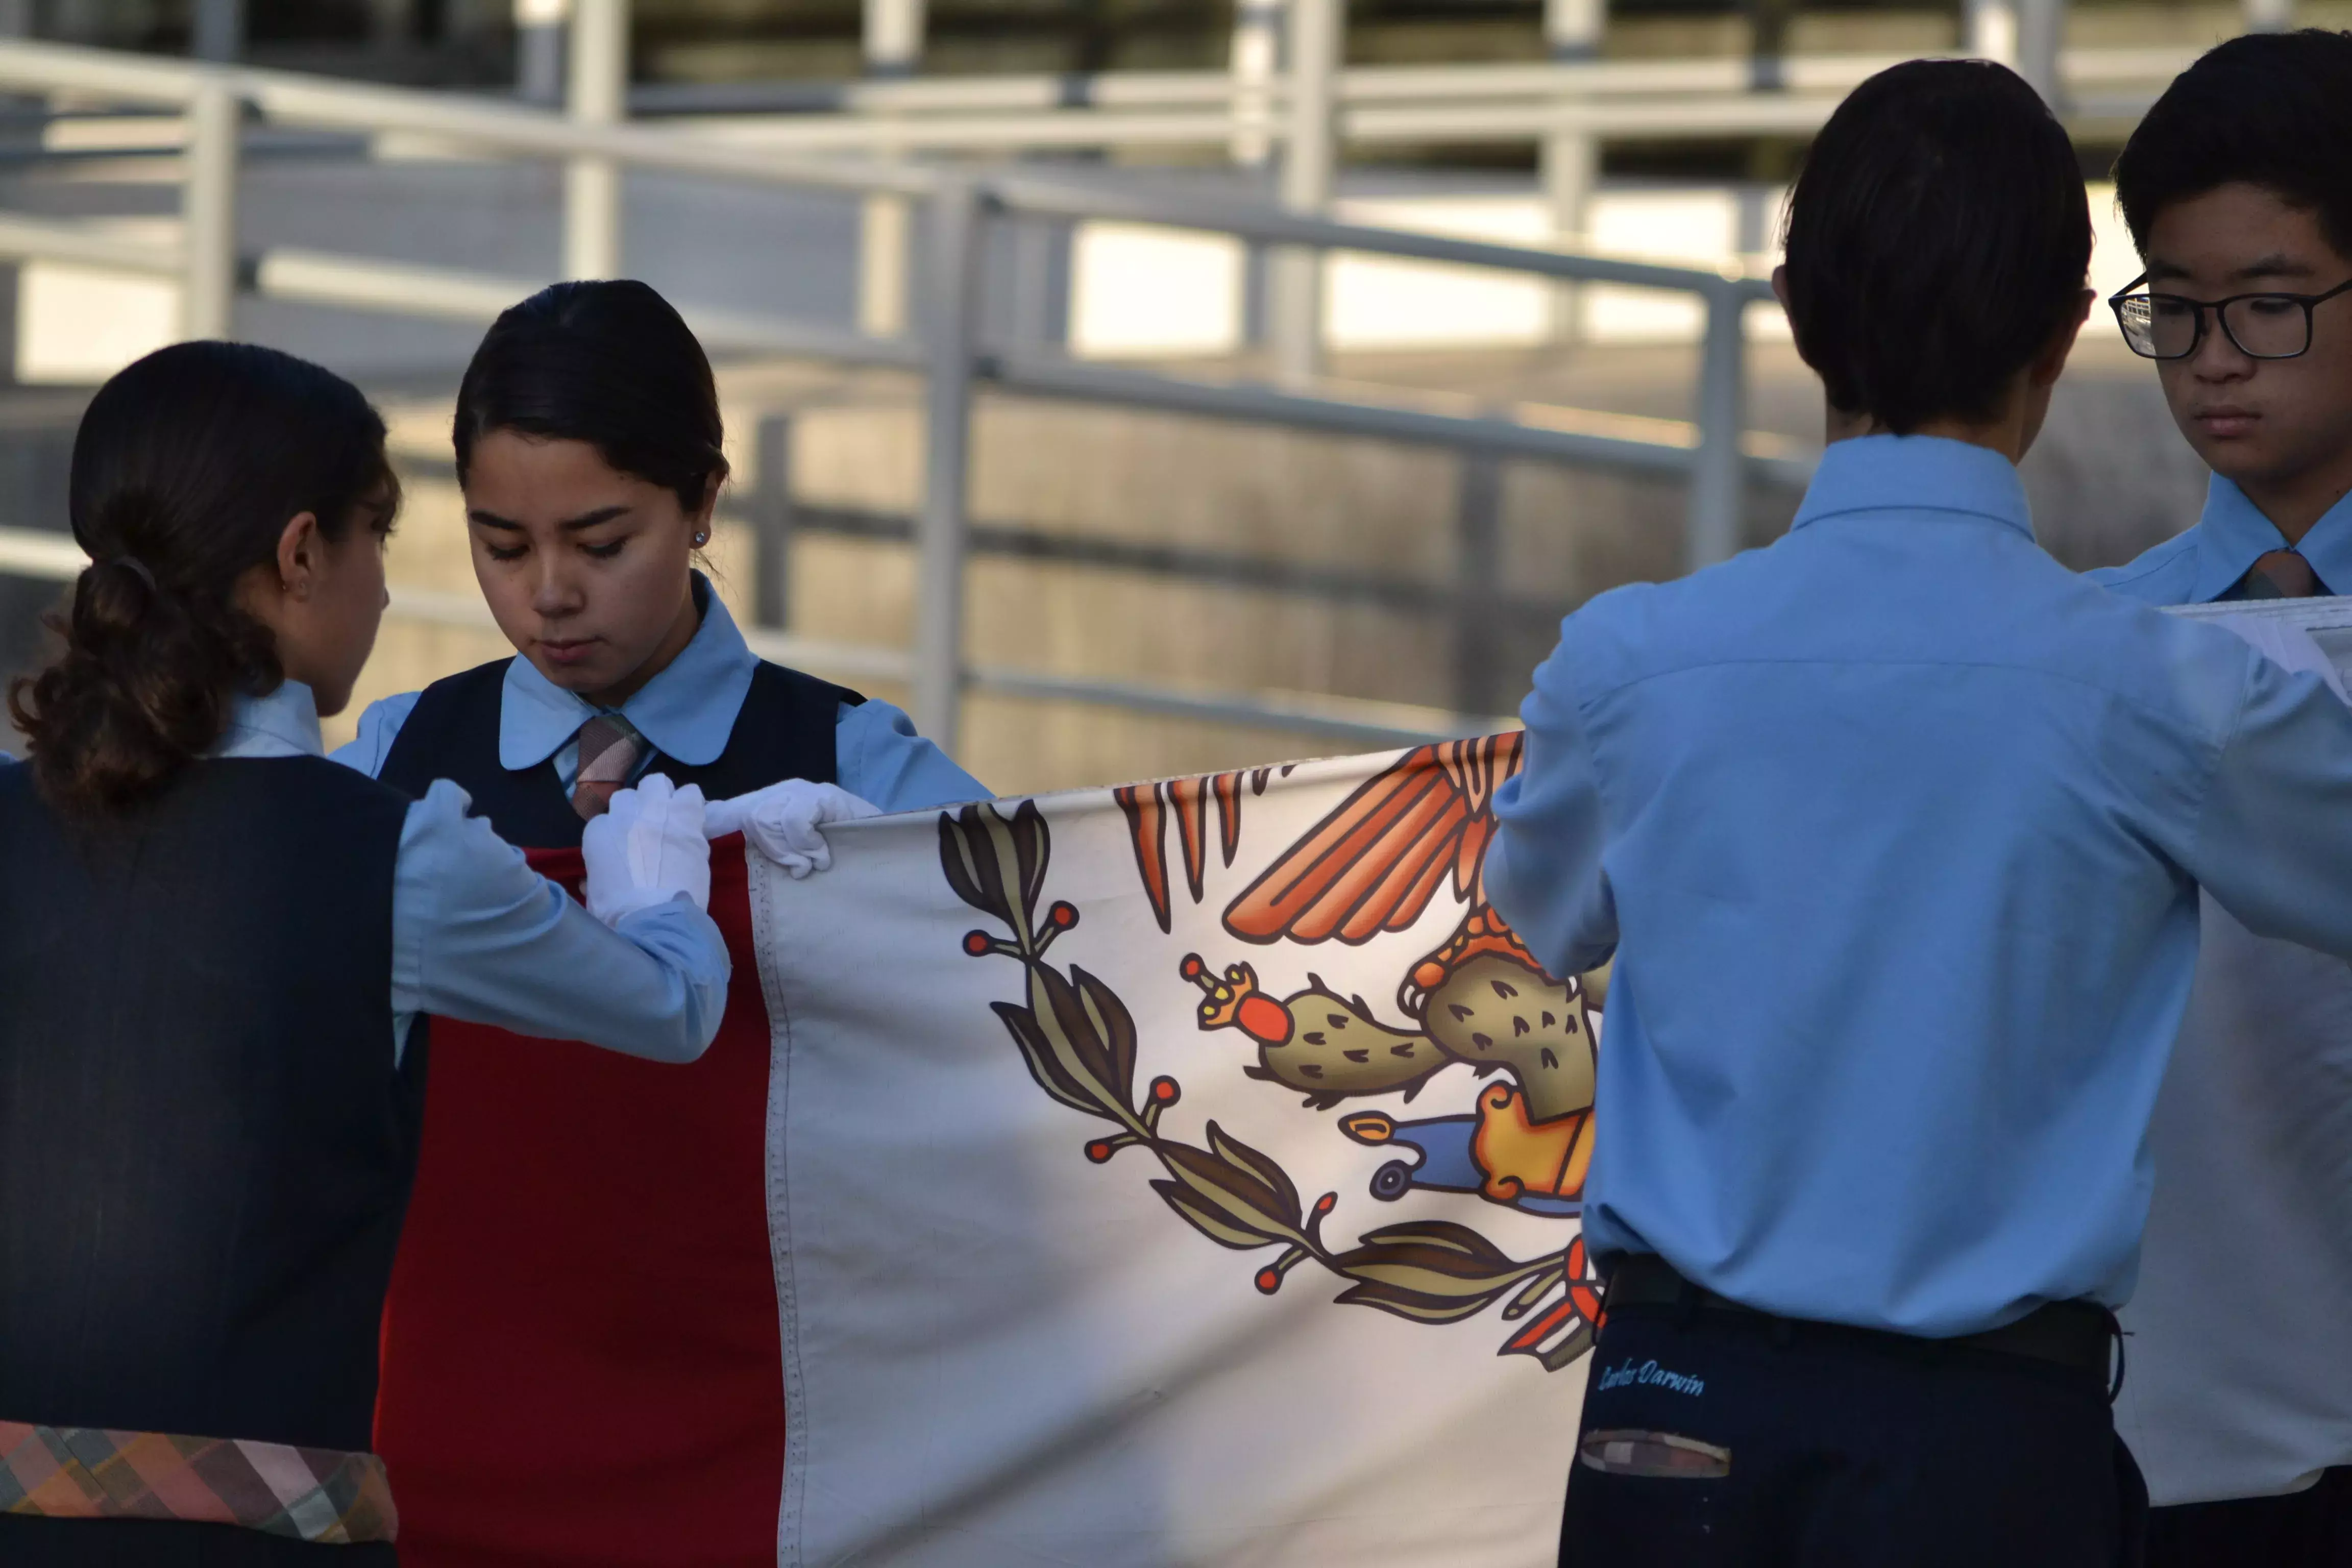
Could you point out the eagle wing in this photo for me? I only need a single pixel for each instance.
(1376, 861)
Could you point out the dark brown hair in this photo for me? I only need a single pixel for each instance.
(186, 469)
(1938, 236)
(609, 363)
(2274, 109)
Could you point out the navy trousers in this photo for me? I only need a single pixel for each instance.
(1716, 1439)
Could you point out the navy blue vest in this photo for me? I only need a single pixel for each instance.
(206, 1148)
(783, 730)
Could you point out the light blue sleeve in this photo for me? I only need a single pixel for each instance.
(477, 934)
(2273, 841)
(878, 758)
(1543, 870)
(379, 727)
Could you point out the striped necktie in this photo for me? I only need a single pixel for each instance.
(2279, 574)
(610, 750)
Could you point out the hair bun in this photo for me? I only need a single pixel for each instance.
(129, 566)
(126, 527)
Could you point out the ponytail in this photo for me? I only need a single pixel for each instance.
(187, 468)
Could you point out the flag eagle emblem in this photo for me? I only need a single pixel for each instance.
(1480, 1001)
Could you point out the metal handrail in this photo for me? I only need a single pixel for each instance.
(55, 239)
(951, 352)
(34, 552)
(889, 105)
(487, 124)
(456, 294)
(1031, 196)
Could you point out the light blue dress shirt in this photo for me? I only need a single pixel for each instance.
(2253, 1142)
(2200, 565)
(687, 712)
(477, 934)
(1900, 824)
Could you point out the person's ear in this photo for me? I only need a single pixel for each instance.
(1781, 285)
(302, 554)
(698, 525)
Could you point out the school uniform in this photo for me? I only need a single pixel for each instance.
(1896, 829)
(2239, 1405)
(585, 1364)
(212, 1070)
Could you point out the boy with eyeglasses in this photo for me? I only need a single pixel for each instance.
(1896, 829)
(2237, 191)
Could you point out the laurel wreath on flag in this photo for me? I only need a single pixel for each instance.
(1080, 1042)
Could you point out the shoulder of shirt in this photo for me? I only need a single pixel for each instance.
(909, 771)
(2191, 676)
(873, 711)
(1620, 608)
(2148, 576)
(2113, 635)
(2139, 656)
(389, 713)
(380, 725)
(1612, 638)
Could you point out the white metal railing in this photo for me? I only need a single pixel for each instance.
(1430, 105)
(953, 350)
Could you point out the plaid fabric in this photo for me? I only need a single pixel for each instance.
(2278, 575)
(610, 750)
(81, 1472)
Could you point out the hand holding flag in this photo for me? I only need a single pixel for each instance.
(786, 821)
(647, 849)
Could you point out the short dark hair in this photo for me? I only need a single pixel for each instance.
(609, 363)
(1937, 240)
(2274, 109)
(186, 469)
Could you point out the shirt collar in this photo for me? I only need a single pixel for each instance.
(685, 712)
(283, 724)
(1915, 473)
(2233, 531)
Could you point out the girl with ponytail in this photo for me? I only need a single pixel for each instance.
(215, 948)
(183, 517)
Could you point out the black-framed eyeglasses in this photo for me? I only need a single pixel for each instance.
(2262, 326)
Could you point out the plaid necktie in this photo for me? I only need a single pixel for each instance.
(610, 750)
(2279, 574)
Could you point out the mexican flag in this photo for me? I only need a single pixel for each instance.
(1181, 1174)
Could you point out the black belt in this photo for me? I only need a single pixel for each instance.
(2072, 1334)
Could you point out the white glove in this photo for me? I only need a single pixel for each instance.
(785, 821)
(647, 849)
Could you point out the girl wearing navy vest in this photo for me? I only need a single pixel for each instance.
(615, 1279)
(216, 947)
